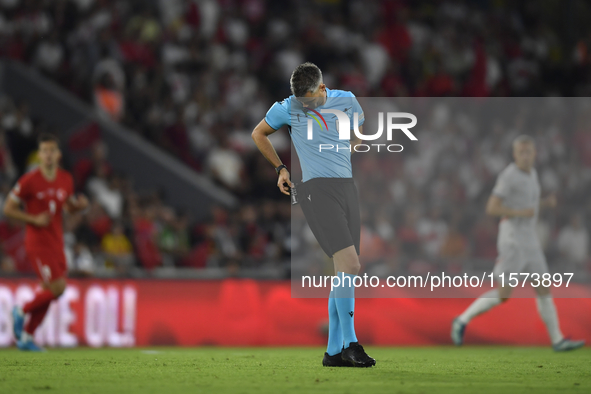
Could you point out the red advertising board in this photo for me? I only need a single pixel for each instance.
(262, 313)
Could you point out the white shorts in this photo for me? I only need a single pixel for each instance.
(516, 258)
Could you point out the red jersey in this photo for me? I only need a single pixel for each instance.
(40, 195)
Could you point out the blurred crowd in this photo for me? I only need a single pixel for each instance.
(126, 229)
(195, 76)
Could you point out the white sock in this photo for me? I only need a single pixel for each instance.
(547, 312)
(26, 337)
(480, 305)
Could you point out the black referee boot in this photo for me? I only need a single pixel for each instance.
(334, 361)
(356, 356)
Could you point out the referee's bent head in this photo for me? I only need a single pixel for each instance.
(306, 84)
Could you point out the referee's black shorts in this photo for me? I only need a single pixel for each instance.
(331, 207)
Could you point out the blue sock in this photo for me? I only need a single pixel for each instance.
(335, 335)
(345, 303)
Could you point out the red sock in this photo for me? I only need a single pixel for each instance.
(36, 318)
(42, 299)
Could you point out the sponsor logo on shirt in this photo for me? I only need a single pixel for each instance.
(343, 126)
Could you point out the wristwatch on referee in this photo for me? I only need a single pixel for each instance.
(278, 169)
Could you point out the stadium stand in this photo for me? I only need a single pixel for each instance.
(194, 77)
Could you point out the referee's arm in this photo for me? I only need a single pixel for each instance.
(260, 135)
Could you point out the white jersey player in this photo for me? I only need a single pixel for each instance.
(516, 199)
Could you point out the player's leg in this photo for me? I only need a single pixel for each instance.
(510, 260)
(347, 265)
(547, 308)
(333, 356)
(346, 262)
(36, 308)
(37, 314)
(323, 217)
(40, 300)
(547, 311)
(319, 213)
(346, 259)
(56, 289)
(482, 304)
(485, 302)
(312, 209)
(52, 270)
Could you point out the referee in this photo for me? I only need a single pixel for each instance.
(328, 196)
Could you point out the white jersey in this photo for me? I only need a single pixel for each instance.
(518, 190)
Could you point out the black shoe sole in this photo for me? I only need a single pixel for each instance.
(362, 365)
(343, 365)
(334, 361)
(367, 364)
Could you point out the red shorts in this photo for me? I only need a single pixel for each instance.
(49, 266)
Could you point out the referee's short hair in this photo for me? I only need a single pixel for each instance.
(307, 77)
(523, 139)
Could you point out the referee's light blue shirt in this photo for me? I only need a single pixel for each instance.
(329, 163)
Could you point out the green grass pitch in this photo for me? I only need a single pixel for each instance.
(295, 370)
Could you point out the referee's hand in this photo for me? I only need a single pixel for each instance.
(283, 179)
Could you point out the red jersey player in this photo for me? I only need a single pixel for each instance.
(44, 193)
